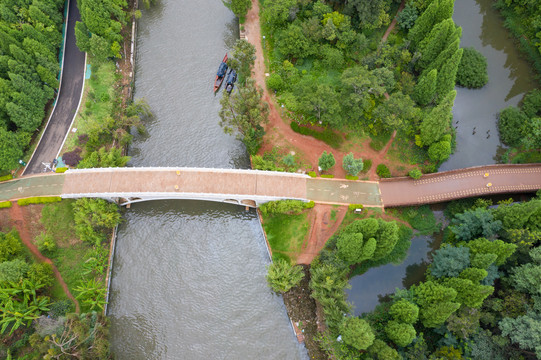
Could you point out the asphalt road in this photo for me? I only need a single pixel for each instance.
(50, 185)
(68, 99)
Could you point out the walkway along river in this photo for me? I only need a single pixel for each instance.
(189, 277)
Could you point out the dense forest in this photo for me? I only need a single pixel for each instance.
(329, 67)
(30, 38)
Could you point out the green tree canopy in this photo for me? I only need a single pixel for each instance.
(326, 161)
(357, 333)
(351, 165)
(282, 276)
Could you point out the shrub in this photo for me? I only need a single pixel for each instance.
(259, 163)
(327, 176)
(349, 177)
(72, 158)
(352, 207)
(406, 18)
(328, 136)
(6, 177)
(275, 82)
(383, 171)
(326, 161)
(45, 243)
(472, 71)
(285, 207)
(38, 200)
(5, 204)
(61, 170)
(289, 160)
(281, 276)
(367, 165)
(351, 165)
(312, 174)
(415, 174)
(512, 124)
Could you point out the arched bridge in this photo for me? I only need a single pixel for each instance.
(253, 187)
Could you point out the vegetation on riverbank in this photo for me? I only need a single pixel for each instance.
(77, 242)
(328, 67)
(31, 36)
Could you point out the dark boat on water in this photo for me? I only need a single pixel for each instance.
(220, 75)
(230, 81)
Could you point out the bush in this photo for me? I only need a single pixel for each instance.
(353, 207)
(61, 170)
(472, 71)
(406, 18)
(6, 177)
(281, 276)
(259, 163)
(415, 174)
(5, 204)
(326, 161)
(38, 200)
(72, 158)
(275, 82)
(328, 136)
(367, 165)
(291, 207)
(349, 177)
(512, 125)
(45, 243)
(383, 171)
(327, 176)
(351, 165)
(312, 174)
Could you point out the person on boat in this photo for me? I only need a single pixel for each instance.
(231, 78)
(222, 70)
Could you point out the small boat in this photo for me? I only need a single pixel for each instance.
(220, 75)
(230, 81)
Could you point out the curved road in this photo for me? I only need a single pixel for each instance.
(71, 86)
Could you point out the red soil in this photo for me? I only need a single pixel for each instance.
(17, 218)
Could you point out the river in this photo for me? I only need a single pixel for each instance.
(188, 280)
(475, 117)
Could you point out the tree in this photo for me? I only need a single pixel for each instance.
(10, 245)
(276, 13)
(475, 223)
(439, 38)
(436, 303)
(439, 151)
(406, 18)
(472, 72)
(464, 323)
(351, 165)
(401, 334)
(326, 161)
(404, 311)
(424, 23)
(447, 76)
(94, 216)
(13, 271)
(369, 14)
(242, 59)
(397, 112)
(527, 277)
(292, 42)
(357, 333)
(82, 36)
(449, 261)
(512, 125)
(415, 174)
(281, 276)
(104, 158)
(381, 351)
(425, 90)
(244, 112)
(353, 248)
(501, 249)
(438, 121)
(524, 330)
(239, 7)
(469, 293)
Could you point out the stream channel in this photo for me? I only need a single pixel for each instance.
(475, 118)
(188, 279)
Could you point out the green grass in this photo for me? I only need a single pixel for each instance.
(58, 220)
(420, 218)
(286, 233)
(379, 141)
(333, 215)
(69, 261)
(96, 105)
(328, 136)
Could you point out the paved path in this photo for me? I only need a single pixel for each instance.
(68, 99)
(248, 186)
(463, 183)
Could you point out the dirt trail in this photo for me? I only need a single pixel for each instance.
(320, 231)
(278, 130)
(18, 219)
(380, 158)
(393, 23)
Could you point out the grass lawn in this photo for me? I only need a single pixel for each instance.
(96, 105)
(420, 218)
(286, 234)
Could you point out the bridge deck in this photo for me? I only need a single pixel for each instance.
(463, 183)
